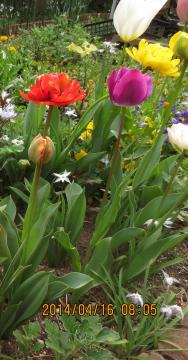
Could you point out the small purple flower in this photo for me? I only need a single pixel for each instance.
(184, 113)
(174, 121)
(129, 87)
(165, 130)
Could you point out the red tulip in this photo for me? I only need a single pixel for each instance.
(54, 89)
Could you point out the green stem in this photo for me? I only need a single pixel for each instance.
(47, 124)
(114, 158)
(122, 57)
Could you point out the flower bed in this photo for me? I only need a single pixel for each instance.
(93, 164)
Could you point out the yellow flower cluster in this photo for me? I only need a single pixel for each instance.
(149, 121)
(12, 48)
(3, 38)
(158, 58)
(84, 50)
(87, 134)
(79, 155)
(128, 166)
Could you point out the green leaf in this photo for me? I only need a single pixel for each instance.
(76, 210)
(10, 206)
(58, 286)
(37, 231)
(7, 319)
(149, 193)
(149, 162)
(126, 235)
(86, 118)
(32, 121)
(102, 124)
(154, 210)
(102, 354)
(107, 335)
(31, 293)
(101, 257)
(12, 232)
(88, 160)
(55, 129)
(107, 215)
(21, 194)
(141, 261)
(63, 239)
(4, 250)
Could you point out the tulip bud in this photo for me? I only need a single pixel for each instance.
(41, 149)
(179, 44)
(182, 10)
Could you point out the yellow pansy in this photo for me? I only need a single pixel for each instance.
(128, 166)
(179, 44)
(12, 48)
(87, 134)
(85, 49)
(80, 154)
(3, 38)
(90, 126)
(156, 57)
(149, 121)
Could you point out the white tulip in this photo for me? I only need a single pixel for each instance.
(178, 136)
(132, 17)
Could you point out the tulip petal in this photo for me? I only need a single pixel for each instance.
(132, 17)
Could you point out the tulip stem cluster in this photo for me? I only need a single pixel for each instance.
(114, 158)
(30, 213)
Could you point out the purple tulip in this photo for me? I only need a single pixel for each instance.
(129, 87)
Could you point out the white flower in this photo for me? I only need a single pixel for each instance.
(133, 17)
(17, 142)
(111, 46)
(101, 51)
(170, 311)
(4, 94)
(7, 112)
(136, 298)
(4, 55)
(62, 177)
(70, 112)
(178, 136)
(4, 138)
(149, 222)
(105, 160)
(169, 280)
(168, 223)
